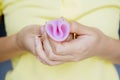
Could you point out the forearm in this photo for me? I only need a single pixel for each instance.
(8, 48)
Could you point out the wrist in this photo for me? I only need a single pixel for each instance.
(112, 50)
(17, 44)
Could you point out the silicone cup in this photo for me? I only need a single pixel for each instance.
(58, 30)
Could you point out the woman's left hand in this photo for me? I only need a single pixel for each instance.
(90, 42)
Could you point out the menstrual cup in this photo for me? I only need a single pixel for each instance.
(58, 30)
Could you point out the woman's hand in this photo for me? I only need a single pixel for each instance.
(89, 42)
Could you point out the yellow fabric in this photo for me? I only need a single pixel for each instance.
(102, 14)
(0, 7)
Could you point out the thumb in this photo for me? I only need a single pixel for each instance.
(78, 28)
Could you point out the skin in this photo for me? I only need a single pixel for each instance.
(89, 42)
(19, 43)
(34, 39)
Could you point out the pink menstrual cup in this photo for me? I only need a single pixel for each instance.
(58, 30)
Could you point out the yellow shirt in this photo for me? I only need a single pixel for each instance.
(0, 7)
(102, 14)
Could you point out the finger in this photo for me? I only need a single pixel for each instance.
(36, 52)
(41, 53)
(66, 48)
(51, 55)
(78, 28)
(42, 61)
(57, 47)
